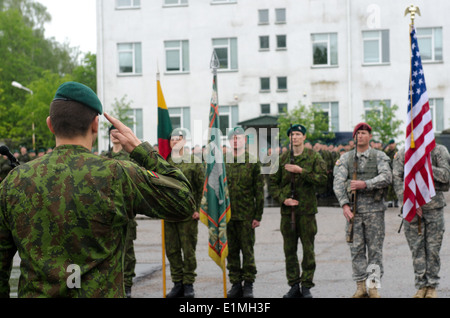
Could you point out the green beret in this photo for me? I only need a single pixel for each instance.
(235, 131)
(79, 93)
(297, 127)
(391, 141)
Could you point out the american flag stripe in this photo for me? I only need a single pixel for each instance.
(418, 176)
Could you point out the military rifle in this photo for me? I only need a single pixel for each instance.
(354, 196)
(291, 161)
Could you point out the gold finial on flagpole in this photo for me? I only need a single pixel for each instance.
(412, 10)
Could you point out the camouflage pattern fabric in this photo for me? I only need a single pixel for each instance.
(130, 256)
(425, 248)
(181, 237)
(246, 188)
(73, 207)
(314, 175)
(390, 195)
(369, 227)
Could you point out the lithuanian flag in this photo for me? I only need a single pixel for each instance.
(164, 124)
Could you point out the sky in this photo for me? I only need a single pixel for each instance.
(73, 21)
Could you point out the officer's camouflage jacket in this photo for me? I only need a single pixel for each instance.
(71, 208)
(314, 175)
(246, 188)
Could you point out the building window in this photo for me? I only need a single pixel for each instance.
(177, 56)
(228, 118)
(128, 4)
(226, 50)
(265, 108)
(130, 58)
(280, 15)
(263, 16)
(264, 43)
(430, 44)
(331, 111)
(175, 2)
(376, 46)
(282, 83)
(325, 50)
(281, 42)
(265, 84)
(137, 125)
(437, 113)
(180, 117)
(375, 106)
(223, 1)
(282, 108)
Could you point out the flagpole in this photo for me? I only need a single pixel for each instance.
(412, 10)
(214, 65)
(163, 235)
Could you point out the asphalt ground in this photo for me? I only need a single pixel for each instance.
(333, 266)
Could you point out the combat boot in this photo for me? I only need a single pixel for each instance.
(373, 293)
(360, 290)
(128, 291)
(247, 290)
(235, 291)
(294, 292)
(306, 292)
(420, 293)
(431, 292)
(188, 291)
(177, 290)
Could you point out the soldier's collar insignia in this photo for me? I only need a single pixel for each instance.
(153, 174)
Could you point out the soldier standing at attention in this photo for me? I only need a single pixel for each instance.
(181, 237)
(66, 213)
(246, 186)
(309, 171)
(425, 246)
(117, 152)
(373, 176)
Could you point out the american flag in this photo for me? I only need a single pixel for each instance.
(418, 176)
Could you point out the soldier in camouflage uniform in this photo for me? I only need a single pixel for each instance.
(246, 188)
(66, 213)
(373, 177)
(117, 152)
(425, 248)
(309, 170)
(181, 237)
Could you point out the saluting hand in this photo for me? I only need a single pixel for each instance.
(293, 168)
(124, 134)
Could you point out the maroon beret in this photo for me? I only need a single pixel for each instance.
(361, 126)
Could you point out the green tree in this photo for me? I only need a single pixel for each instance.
(383, 121)
(312, 117)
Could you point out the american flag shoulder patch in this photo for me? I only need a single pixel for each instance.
(153, 174)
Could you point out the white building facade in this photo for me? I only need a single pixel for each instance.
(345, 55)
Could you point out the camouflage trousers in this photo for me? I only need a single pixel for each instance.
(241, 239)
(306, 230)
(425, 248)
(129, 255)
(367, 248)
(181, 242)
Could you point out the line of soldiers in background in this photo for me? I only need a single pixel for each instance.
(22, 155)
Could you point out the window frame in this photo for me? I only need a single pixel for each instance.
(183, 55)
(328, 46)
(382, 39)
(433, 38)
(135, 57)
